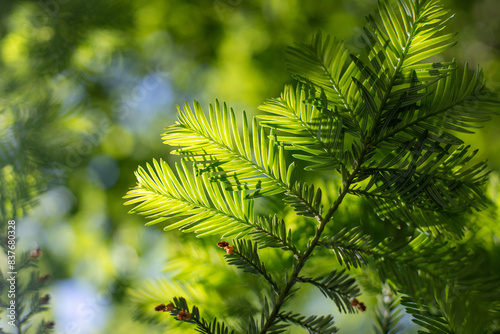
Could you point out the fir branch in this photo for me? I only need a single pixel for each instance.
(351, 247)
(313, 324)
(301, 261)
(276, 327)
(246, 257)
(36, 304)
(416, 266)
(321, 63)
(28, 301)
(338, 286)
(310, 130)
(451, 112)
(306, 201)
(401, 44)
(180, 310)
(216, 147)
(210, 208)
(434, 321)
(272, 232)
(399, 213)
(387, 102)
(425, 188)
(388, 314)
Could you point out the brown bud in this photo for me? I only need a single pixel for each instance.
(362, 307)
(229, 249)
(43, 278)
(223, 244)
(184, 316)
(44, 300)
(49, 325)
(169, 307)
(36, 253)
(160, 308)
(354, 302)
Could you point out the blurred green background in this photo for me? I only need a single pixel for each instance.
(86, 89)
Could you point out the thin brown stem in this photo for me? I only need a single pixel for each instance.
(302, 259)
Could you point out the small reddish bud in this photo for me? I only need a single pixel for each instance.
(223, 244)
(184, 316)
(164, 308)
(44, 300)
(43, 278)
(160, 308)
(362, 307)
(354, 302)
(229, 249)
(36, 253)
(49, 325)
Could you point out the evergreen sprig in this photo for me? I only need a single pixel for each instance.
(313, 324)
(317, 134)
(434, 322)
(209, 206)
(272, 232)
(246, 257)
(385, 124)
(388, 315)
(338, 286)
(218, 147)
(27, 295)
(351, 247)
(181, 312)
(274, 327)
(418, 266)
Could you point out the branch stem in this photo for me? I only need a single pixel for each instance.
(302, 259)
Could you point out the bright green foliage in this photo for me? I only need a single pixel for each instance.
(311, 131)
(272, 232)
(385, 125)
(220, 149)
(211, 208)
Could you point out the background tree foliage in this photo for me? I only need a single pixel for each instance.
(87, 88)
